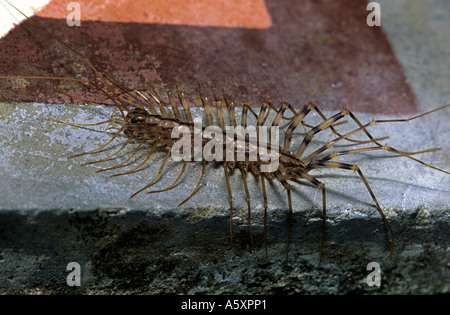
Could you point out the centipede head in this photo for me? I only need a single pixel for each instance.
(137, 116)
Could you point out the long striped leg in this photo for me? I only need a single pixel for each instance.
(231, 109)
(189, 118)
(322, 126)
(336, 154)
(329, 144)
(156, 177)
(209, 122)
(243, 170)
(221, 122)
(247, 195)
(147, 102)
(286, 186)
(140, 97)
(312, 106)
(294, 124)
(185, 105)
(263, 185)
(321, 186)
(159, 102)
(355, 168)
(390, 149)
(362, 127)
(260, 121)
(208, 113)
(276, 121)
(230, 198)
(280, 112)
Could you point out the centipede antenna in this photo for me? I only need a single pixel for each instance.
(78, 124)
(99, 75)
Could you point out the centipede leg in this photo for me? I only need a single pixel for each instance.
(321, 186)
(175, 110)
(198, 184)
(187, 112)
(291, 221)
(173, 184)
(156, 177)
(141, 143)
(331, 126)
(324, 219)
(322, 126)
(247, 194)
(286, 186)
(110, 156)
(355, 168)
(231, 109)
(260, 121)
(155, 144)
(230, 198)
(390, 149)
(263, 185)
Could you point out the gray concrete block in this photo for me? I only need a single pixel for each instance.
(55, 211)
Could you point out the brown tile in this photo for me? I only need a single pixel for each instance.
(320, 51)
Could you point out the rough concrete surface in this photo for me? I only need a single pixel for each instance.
(54, 211)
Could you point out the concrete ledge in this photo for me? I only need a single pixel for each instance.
(55, 211)
(173, 254)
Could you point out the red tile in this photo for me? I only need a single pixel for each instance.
(320, 51)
